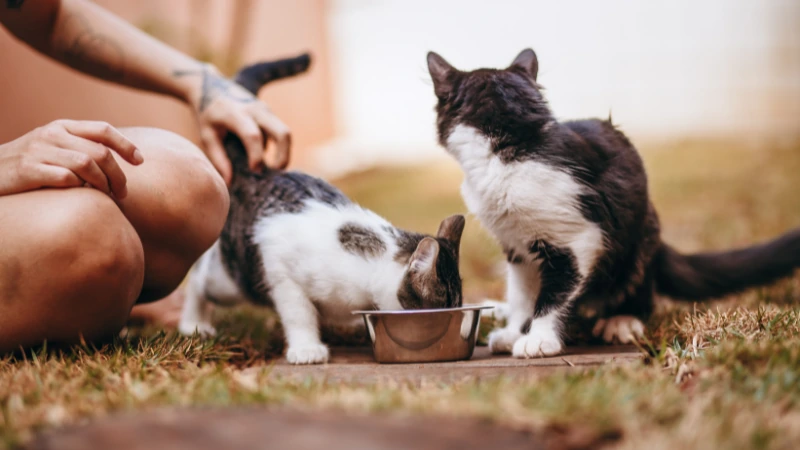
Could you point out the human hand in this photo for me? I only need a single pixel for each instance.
(222, 106)
(67, 153)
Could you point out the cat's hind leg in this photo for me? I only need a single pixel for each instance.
(619, 329)
(196, 313)
(522, 288)
(300, 321)
(207, 277)
(624, 325)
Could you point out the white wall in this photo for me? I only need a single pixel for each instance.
(665, 69)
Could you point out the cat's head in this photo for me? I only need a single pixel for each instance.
(432, 279)
(504, 105)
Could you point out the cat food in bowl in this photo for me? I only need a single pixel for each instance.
(423, 335)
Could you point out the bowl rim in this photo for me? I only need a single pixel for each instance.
(420, 311)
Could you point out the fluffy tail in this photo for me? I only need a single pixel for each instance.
(253, 78)
(709, 275)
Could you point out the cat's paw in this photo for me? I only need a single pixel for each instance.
(307, 354)
(502, 340)
(538, 343)
(203, 329)
(621, 329)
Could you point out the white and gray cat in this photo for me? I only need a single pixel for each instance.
(296, 243)
(568, 201)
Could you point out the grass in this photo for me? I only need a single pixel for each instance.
(719, 375)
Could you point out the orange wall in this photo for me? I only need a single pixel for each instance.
(35, 90)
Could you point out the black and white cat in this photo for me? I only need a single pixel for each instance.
(296, 243)
(568, 201)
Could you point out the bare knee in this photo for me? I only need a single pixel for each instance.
(111, 264)
(186, 202)
(108, 270)
(80, 268)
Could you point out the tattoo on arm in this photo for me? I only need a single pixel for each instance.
(92, 52)
(215, 86)
(14, 4)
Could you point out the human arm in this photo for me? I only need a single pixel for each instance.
(92, 40)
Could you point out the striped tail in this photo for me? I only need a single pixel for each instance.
(253, 78)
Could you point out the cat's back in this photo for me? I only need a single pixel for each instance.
(256, 195)
(285, 211)
(614, 173)
(601, 146)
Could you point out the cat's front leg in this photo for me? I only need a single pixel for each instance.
(522, 288)
(300, 324)
(561, 282)
(543, 338)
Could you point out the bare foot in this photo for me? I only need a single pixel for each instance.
(165, 313)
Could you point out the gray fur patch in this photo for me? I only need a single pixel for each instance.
(361, 241)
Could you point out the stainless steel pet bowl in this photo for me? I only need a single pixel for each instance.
(423, 335)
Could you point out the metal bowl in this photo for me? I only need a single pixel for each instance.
(423, 335)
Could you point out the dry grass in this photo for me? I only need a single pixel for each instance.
(720, 375)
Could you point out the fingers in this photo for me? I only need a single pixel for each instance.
(250, 135)
(279, 133)
(103, 158)
(216, 153)
(80, 164)
(55, 176)
(107, 135)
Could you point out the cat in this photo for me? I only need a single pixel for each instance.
(295, 243)
(568, 202)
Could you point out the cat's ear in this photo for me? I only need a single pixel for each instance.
(451, 229)
(423, 261)
(440, 74)
(528, 61)
(418, 289)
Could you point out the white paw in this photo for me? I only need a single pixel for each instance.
(203, 329)
(622, 329)
(502, 340)
(537, 343)
(307, 354)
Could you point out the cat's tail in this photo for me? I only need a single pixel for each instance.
(709, 275)
(255, 76)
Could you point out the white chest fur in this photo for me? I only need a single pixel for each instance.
(520, 202)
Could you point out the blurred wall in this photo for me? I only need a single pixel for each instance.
(35, 90)
(667, 70)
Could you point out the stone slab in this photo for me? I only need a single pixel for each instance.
(355, 364)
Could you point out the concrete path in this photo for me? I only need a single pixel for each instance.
(357, 365)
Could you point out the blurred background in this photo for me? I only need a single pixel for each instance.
(708, 91)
